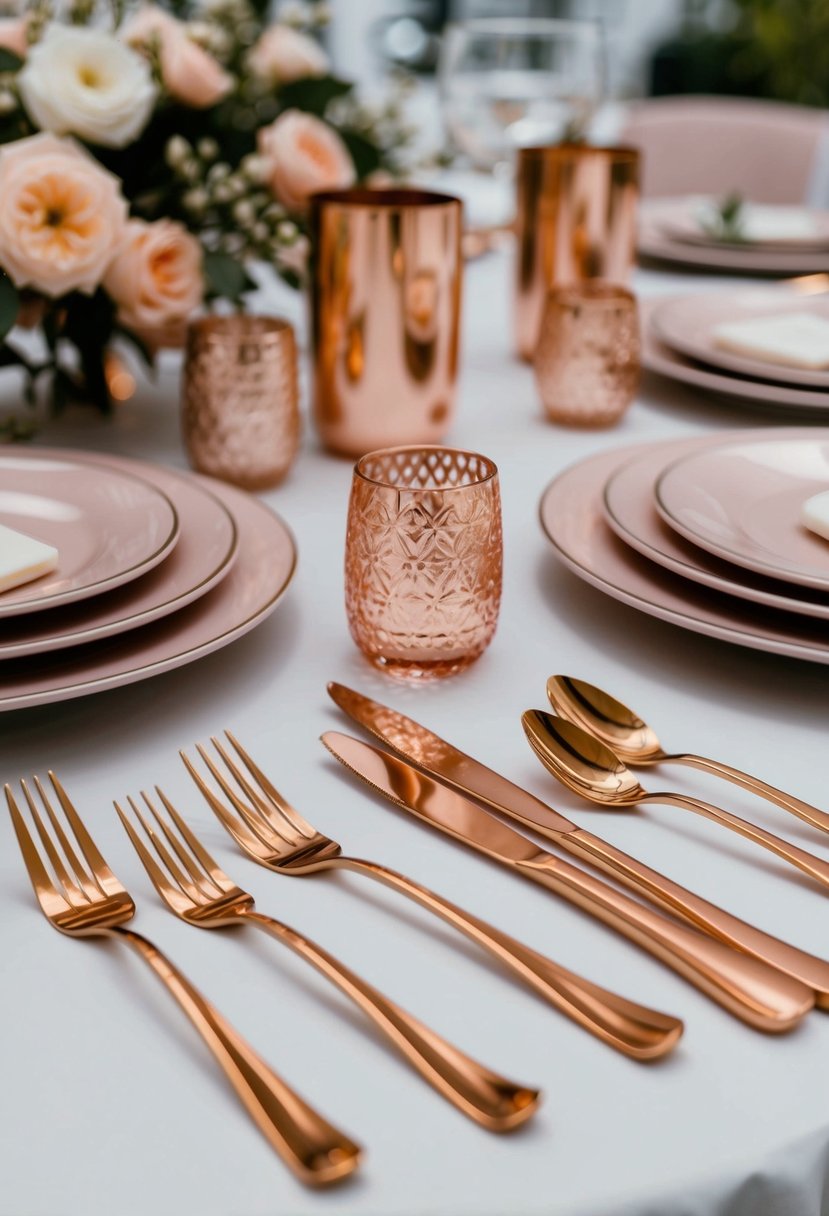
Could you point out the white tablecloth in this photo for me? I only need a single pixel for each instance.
(110, 1104)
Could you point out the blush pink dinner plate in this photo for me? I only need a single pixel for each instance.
(572, 517)
(660, 358)
(204, 554)
(654, 242)
(630, 511)
(263, 569)
(687, 324)
(108, 525)
(741, 501)
(678, 219)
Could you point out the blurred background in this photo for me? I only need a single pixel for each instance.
(776, 49)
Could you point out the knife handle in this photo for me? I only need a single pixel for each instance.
(635, 1030)
(757, 993)
(810, 970)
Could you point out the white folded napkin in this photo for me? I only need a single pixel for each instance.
(23, 559)
(795, 339)
(760, 222)
(814, 514)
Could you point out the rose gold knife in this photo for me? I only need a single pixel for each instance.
(461, 772)
(749, 988)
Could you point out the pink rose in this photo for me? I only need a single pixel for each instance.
(14, 35)
(188, 72)
(156, 280)
(62, 216)
(282, 55)
(304, 155)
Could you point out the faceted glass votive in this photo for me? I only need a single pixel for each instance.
(587, 358)
(423, 559)
(240, 399)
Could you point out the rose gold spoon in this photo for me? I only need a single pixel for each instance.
(635, 742)
(583, 763)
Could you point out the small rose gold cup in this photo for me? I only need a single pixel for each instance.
(423, 559)
(576, 220)
(240, 399)
(386, 279)
(587, 358)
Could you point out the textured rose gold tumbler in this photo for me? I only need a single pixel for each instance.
(385, 304)
(423, 559)
(240, 412)
(576, 220)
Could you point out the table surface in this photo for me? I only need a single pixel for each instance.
(110, 1103)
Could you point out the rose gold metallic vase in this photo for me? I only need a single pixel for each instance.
(385, 304)
(423, 559)
(576, 220)
(240, 411)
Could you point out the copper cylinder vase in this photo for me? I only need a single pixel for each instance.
(240, 399)
(575, 220)
(386, 279)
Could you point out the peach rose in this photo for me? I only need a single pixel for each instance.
(303, 154)
(188, 72)
(156, 279)
(14, 35)
(282, 55)
(62, 216)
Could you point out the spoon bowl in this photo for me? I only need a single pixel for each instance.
(580, 760)
(606, 718)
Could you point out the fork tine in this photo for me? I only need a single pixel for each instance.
(192, 890)
(100, 870)
(246, 840)
(166, 889)
(251, 819)
(42, 882)
(206, 887)
(71, 890)
(284, 808)
(217, 875)
(89, 888)
(271, 804)
(271, 814)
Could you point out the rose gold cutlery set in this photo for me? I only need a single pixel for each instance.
(590, 744)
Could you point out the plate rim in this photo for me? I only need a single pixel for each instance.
(758, 566)
(41, 603)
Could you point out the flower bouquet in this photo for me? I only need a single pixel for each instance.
(148, 155)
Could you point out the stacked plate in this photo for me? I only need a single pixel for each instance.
(772, 240)
(705, 533)
(155, 569)
(683, 341)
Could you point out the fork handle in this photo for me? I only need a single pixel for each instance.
(754, 991)
(491, 1100)
(316, 1151)
(633, 1029)
(796, 806)
(815, 867)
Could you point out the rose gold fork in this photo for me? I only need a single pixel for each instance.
(87, 900)
(203, 895)
(270, 831)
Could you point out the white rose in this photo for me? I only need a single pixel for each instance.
(84, 82)
(282, 55)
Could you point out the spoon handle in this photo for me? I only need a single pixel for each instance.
(815, 867)
(635, 1030)
(810, 970)
(758, 994)
(796, 806)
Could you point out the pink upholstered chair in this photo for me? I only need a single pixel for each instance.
(768, 151)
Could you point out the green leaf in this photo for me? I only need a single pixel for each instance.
(226, 276)
(367, 156)
(9, 62)
(313, 93)
(9, 304)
